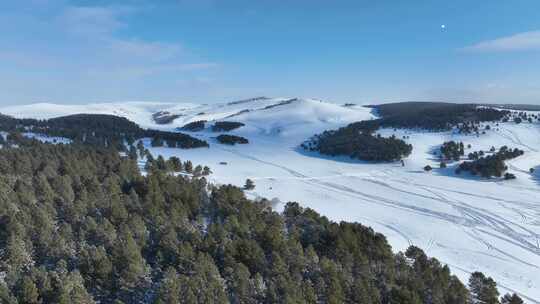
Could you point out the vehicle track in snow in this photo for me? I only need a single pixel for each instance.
(480, 224)
(514, 138)
(471, 216)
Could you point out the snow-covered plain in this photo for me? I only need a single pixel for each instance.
(469, 223)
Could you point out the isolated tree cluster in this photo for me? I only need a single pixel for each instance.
(231, 139)
(363, 146)
(452, 150)
(194, 126)
(491, 165)
(225, 126)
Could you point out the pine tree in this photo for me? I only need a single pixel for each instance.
(175, 164)
(239, 284)
(249, 185)
(129, 263)
(511, 299)
(188, 166)
(206, 171)
(28, 292)
(169, 289)
(141, 148)
(157, 142)
(73, 290)
(5, 295)
(132, 153)
(483, 289)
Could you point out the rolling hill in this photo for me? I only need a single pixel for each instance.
(470, 223)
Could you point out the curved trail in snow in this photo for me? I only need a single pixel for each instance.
(508, 233)
(479, 220)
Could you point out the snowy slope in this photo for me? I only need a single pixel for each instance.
(471, 224)
(140, 112)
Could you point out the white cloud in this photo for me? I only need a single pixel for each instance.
(111, 55)
(85, 20)
(90, 53)
(138, 71)
(525, 41)
(154, 51)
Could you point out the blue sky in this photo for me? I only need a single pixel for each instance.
(212, 51)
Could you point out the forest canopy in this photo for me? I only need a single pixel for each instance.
(96, 129)
(82, 225)
(432, 115)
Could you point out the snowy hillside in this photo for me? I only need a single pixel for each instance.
(469, 223)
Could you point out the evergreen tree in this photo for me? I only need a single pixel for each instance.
(132, 153)
(511, 299)
(206, 171)
(73, 290)
(249, 185)
(169, 289)
(483, 289)
(28, 292)
(188, 166)
(128, 261)
(157, 142)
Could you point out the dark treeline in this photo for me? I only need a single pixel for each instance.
(519, 117)
(356, 139)
(175, 165)
(429, 116)
(231, 139)
(95, 129)
(225, 126)
(490, 165)
(176, 140)
(432, 115)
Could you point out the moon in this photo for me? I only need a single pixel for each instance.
(443, 26)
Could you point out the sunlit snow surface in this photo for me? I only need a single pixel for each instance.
(469, 223)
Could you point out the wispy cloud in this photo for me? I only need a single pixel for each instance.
(137, 71)
(87, 20)
(92, 52)
(525, 41)
(153, 51)
(99, 27)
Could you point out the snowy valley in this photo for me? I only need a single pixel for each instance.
(467, 222)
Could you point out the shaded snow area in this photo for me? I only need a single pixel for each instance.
(472, 224)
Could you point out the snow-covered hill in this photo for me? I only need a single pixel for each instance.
(471, 224)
